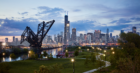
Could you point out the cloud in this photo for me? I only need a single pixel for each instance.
(76, 10)
(23, 13)
(14, 27)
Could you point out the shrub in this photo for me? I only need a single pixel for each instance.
(32, 55)
(49, 69)
(76, 53)
(45, 54)
(12, 55)
(66, 54)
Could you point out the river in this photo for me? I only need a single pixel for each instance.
(54, 52)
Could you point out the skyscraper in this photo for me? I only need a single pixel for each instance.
(73, 34)
(107, 37)
(16, 39)
(13, 38)
(134, 29)
(110, 35)
(6, 40)
(89, 38)
(66, 30)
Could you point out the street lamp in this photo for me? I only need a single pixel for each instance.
(112, 48)
(113, 52)
(29, 52)
(104, 56)
(66, 50)
(72, 60)
(92, 47)
(87, 49)
(79, 47)
(3, 54)
(104, 51)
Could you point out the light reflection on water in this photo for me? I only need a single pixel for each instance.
(54, 52)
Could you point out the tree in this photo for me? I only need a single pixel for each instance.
(66, 54)
(50, 56)
(12, 55)
(32, 54)
(41, 56)
(36, 56)
(45, 54)
(93, 58)
(76, 53)
(87, 60)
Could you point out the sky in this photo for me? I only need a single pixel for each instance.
(84, 15)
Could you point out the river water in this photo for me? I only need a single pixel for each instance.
(54, 52)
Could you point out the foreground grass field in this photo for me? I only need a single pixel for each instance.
(28, 66)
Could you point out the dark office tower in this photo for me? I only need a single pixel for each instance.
(16, 39)
(134, 29)
(110, 35)
(107, 35)
(73, 34)
(122, 31)
(66, 30)
(13, 38)
(6, 40)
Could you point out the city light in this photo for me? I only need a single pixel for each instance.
(87, 49)
(112, 48)
(3, 54)
(66, 50)
(104, 50)
(113, 52)
(29, 52)
(3, 44)
(79, 47)
(72, 60)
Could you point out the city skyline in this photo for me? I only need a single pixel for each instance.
(89, 15)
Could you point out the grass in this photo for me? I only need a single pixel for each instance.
(28, 66)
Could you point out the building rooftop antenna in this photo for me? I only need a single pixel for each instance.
(67, 12)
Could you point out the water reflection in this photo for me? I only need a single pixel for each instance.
(54, 52)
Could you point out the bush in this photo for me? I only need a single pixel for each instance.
(50, 56)
(36, 56)
(76, 53)
(25, 51)
(32, 55)
(12, 55)
(66, 54)
(49, 69)
(87, 60)
(41, 56)
(45, 54)
(93, 58)
(24, 57)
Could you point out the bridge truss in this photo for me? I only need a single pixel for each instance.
(35, 40)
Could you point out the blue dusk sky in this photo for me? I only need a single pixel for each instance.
(84, 15)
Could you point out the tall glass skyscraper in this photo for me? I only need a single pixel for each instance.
(66, 30)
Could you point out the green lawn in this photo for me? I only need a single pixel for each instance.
(28, 66)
